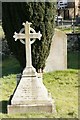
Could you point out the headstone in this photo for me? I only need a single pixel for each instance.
(31, 95)
(57, 59)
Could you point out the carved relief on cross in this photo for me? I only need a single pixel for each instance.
(27, 36)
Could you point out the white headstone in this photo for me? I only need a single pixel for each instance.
(57, 59)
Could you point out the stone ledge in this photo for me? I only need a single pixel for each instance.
(41, 108)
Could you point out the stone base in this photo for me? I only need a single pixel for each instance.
(41, 108)
(30, 95)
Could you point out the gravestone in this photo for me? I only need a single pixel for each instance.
(31, 95)
(57, 59)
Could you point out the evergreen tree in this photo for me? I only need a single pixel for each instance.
(41, 15)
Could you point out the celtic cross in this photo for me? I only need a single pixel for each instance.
(27, 36)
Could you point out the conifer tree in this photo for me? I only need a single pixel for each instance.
(41, 15)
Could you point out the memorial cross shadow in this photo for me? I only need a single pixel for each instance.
(4, 103)
(17, 71)
(10, 66)
(3, 106)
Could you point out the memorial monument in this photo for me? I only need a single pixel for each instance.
(30, 95)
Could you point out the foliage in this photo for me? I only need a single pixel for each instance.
(5, 49)
(1, 33)
(41, 15)
(73, 60)
(73, 42)
(10, 66)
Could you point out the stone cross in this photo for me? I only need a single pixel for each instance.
(27, 36)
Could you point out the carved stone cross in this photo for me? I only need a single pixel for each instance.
(27, 36)
(30, 95)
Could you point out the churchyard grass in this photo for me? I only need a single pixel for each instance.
(69, 29)
(63, 86)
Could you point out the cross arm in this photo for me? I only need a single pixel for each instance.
(19, 36)
(36, 35)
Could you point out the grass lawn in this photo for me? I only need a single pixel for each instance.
(69, 29)
(63, 86)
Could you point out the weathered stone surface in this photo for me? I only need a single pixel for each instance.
(57, 59)
(35, 108)
(31, 96)
(30, 91)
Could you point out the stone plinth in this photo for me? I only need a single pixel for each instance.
(31, 95)
(36, 108)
